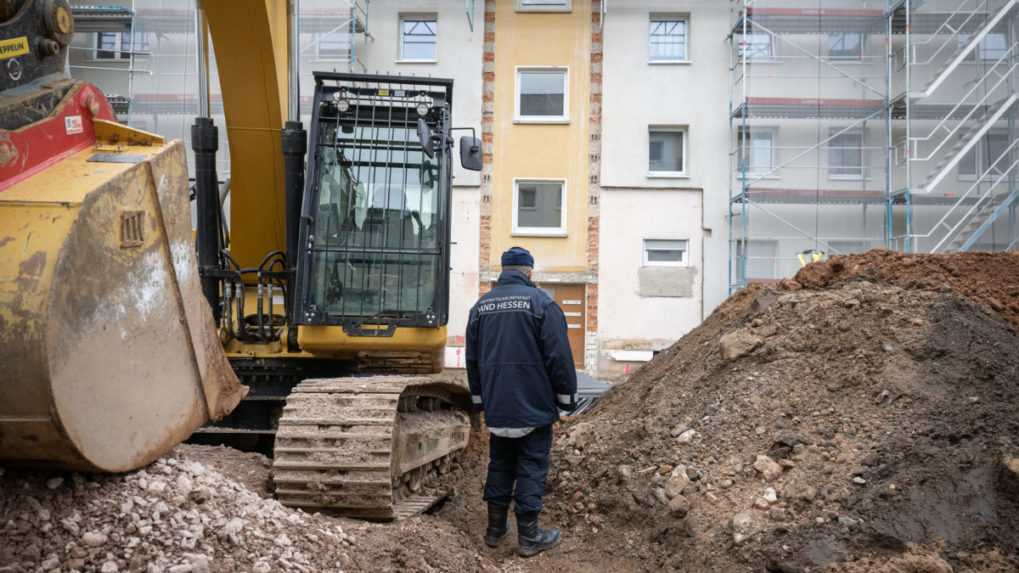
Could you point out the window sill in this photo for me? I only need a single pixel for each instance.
(669, 62)
(751, 176)
(550, 10)
(415, 61)
(769, 62)
(848, 178)
(542, 120)
(668, 175)
(552, 233)
(647, 265)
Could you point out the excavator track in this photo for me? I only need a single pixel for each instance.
(372, 448)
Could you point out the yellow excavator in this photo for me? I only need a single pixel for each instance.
(122, 331)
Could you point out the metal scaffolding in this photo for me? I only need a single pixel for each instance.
(834, 148)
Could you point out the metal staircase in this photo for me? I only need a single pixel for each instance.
(968, 139)
(988, 103)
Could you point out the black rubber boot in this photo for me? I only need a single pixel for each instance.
(497, 517)
(533, 539)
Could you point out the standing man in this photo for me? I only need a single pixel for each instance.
(520, 371)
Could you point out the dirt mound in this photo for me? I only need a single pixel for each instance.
(990, 279)
(860, 414)
(181, 514)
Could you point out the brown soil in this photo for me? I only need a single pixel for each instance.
(860, 418)
(883, 391)
(990, 279)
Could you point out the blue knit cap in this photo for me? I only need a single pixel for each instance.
(517, 257)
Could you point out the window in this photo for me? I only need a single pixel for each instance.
(541, 95)
(760, 258)
(668, 38)
(543, 5)
(845, 155)
(758, 46)
(846, 247)
(756, 151)
(418, 38)
(845, 46)
(986, 154)
(538, 208)
(332, 46)
(665, 253)
(667, 151)
(119, 45)
(992, 48)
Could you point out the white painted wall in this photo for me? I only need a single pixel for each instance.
(623, 313)
(637, 95)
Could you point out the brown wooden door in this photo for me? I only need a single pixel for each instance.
(570, 298)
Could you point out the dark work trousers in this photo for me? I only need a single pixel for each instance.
(523, 461)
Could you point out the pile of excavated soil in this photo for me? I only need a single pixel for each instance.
(860, 418)
(182, 514)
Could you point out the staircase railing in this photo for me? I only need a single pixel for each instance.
(961, 55)
(952, 229)
(915, 142)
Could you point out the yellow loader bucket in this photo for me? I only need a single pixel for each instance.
(108, 352)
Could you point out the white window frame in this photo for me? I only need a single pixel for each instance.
(685, 262)
(772, 133)
(685, 173)
(558, 119)
(119, 54)
(318, 49)
(545, 6)
(983, 53)
(983, 162)
(416, 17)
(771, 58)
(863, 154)
(666, 17)
(539, 231)
(843, 59)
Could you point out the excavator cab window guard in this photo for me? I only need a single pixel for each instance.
(375, 225)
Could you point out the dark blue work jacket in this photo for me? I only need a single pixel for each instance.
(519, 364)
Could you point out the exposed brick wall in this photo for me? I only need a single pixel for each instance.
(594, 188)
(487, 142)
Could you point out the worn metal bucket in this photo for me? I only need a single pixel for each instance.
(108, 352)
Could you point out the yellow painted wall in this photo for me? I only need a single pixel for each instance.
(542, 151)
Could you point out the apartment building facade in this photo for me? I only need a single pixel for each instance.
(869, 123)
(654, 155)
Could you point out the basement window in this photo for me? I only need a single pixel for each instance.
(538, 208)
(541, 95)
(544, 5)
(665, 253)
(419, 38)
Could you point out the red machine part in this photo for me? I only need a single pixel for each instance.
(69, 129)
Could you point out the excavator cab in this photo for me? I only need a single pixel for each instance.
(375, 229)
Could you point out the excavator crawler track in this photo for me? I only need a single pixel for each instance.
(373, 448)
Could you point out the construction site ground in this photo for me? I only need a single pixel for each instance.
(862, 417)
